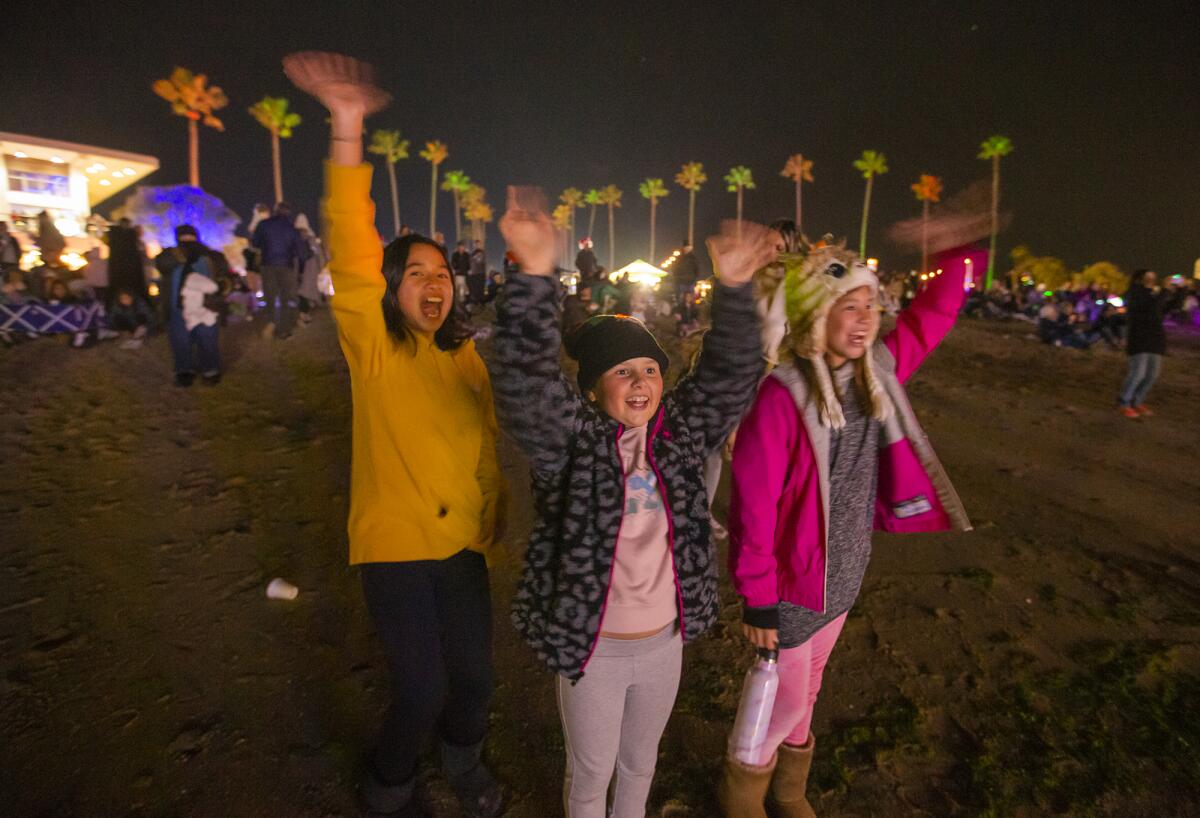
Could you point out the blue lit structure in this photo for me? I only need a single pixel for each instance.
(159, 209)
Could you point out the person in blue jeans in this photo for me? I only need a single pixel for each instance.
(195, 280)
(1146, 341)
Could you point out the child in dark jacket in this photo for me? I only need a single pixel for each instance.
(620, 567)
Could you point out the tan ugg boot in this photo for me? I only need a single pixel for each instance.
(790, 783)
(743, 789)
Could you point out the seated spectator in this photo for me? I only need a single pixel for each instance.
(59, 293)
(132, 315)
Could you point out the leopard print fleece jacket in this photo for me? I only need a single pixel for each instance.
(577, 479)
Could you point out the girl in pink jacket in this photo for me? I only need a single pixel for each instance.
(830, 451)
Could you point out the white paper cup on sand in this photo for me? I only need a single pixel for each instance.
(282, 589)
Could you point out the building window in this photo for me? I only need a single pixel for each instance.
(41, 184)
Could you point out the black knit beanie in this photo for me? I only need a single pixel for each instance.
(603, 341)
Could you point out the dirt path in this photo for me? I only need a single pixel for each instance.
(1046, 663)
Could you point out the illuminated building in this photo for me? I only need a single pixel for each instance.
(63, 178)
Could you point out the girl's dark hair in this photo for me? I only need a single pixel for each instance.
(453, 331)
(1137, 275)
(787, 229)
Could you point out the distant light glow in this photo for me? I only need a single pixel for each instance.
(128, 171)
(1048, 293)
(68, 227)
(20, 154)
(153, 290)
(1116, 301)
(873, 263)
(58, 160)
(105, 182)
(74, 261)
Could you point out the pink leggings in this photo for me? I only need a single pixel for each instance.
(800, 671)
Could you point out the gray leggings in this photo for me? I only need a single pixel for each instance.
(613, 718)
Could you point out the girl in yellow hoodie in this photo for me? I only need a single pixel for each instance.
(425, 486)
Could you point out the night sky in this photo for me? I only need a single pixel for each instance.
(1102, 101)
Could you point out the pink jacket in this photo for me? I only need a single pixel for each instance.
(780, 499)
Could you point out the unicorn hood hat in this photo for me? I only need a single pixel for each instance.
(812, 283)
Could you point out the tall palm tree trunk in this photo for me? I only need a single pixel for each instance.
(457, 218)
(433, 203)
(592, 224)
(275, 166)
(570, 264)
(862, 236)
(653, 225)
(193, 153)
(391, 166)
(925, 237)
(798, 183)
(987, 285)
(612, 251)
(739, 214)
(692, 217)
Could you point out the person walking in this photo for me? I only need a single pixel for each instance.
(585, 261)
(1145, 341)
(10, 256)
(620, 568)
(477, 276)
(282, 251)
(460, 265)
(685, 271)
(427, 499)
(195, 279)
(309, 293)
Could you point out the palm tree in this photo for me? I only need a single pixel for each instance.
(435, 153)
(572, 197)
(611, 196)
(272, 113)
(871, 164)
(457, 183)
(392, 148)
(799, 170)
(479, 213)
(653, 189)
(993, 148)
(562, 222)
(737, 180)
(191, 97)
(928, 189)
(690, 177)
(592, 198)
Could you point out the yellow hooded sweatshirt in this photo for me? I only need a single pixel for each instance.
(424, 479)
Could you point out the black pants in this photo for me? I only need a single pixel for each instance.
(434, 618)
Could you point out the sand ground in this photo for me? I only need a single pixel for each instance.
(1046, 663)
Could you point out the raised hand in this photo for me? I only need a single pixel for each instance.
(528, 231)
(342, 84)
(735, 260)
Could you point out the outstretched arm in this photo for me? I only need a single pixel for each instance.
(720, 387)
(534, 401)
(344, 87)
(928, 319)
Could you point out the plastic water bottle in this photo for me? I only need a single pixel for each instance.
(754, 712)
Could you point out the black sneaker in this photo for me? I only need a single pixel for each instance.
(376, 797)
(185, 379)
(479, 794)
